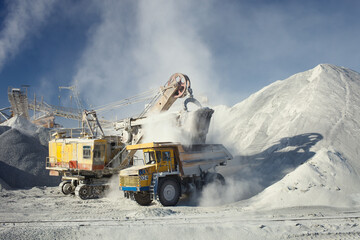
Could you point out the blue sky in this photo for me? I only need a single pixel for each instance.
(115, 49)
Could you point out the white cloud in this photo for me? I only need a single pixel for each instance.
(24, 17)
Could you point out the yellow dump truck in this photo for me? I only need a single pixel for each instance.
(168, 170)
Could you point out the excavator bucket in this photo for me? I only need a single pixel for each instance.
(196, 124)
(201, 125)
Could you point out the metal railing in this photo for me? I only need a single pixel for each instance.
(52, 163)
(67, 133)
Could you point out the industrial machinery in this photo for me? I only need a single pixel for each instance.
(43, 113)
(4, 114)
(170, 169)
(19, 102)
(87, 159)
(83, 157)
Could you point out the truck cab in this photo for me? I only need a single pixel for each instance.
(162, 159)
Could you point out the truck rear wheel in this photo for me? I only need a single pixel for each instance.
(142, 198)
(216, 178)
(169, 192)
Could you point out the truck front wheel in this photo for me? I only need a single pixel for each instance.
(169, 192)
(142, 198)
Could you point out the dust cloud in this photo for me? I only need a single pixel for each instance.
(169, 127)
(113, 193)
(172, 127)
(233, 191)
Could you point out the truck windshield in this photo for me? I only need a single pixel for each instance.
(149, 157)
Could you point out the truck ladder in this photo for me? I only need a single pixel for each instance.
(154, 186)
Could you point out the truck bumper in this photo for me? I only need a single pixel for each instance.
(135, 189)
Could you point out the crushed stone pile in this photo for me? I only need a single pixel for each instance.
(26, 127)
(295, 142)
(23, 151)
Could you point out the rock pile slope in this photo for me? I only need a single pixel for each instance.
(295, 141)
(22, 155)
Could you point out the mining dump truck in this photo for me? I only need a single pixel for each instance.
(169, 170)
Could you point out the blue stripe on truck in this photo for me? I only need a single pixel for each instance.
(135, 189)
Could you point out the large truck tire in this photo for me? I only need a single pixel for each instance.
(216, 178)
(143, 198)
(169, 192)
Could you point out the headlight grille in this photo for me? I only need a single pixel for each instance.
(131, 181)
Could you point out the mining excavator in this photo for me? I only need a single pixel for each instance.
(86, 158)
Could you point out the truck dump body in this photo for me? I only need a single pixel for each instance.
(201, 157)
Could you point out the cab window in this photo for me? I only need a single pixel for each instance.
(99, 154)
(158, 156)
(166, 156)
(149, 157)
(99, 151)
(86, 152)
